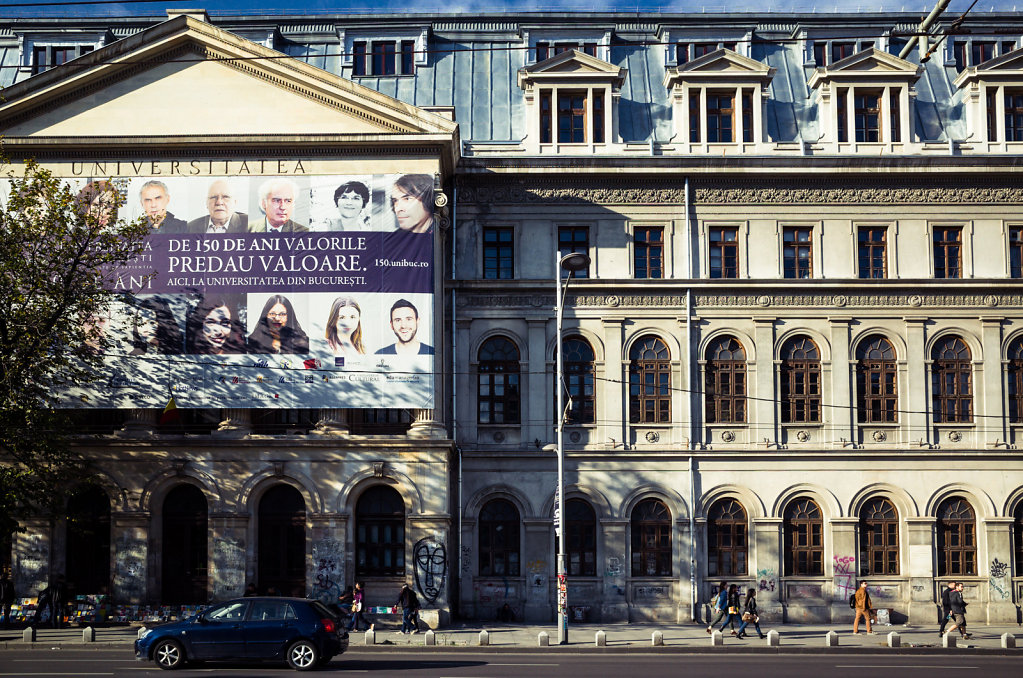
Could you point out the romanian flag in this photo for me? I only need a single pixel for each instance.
(170, 413)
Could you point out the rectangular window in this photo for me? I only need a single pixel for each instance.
(820, 54)
(841, 50)
(948, 251)
(564, 47)
(981, 52)
(694, 116)
(543, 51)
(359, 58)
(991, 107)
(598, 117)
(648, 251)
(1008, 46)
(408, 57)
(702, 48)
(1013, 115)
(894, 117)
(546, 117)
(720, 117)
(747, 115)
(1016, 251)
(571, 118)
(47, 57)
(681, 53)
(798, 251)
(724, 252)
(873, 258)
(574, 239)
(867, 116)
(498, 252)
(729, 46)
(959, 51)
(590, 48)
(841, 101)
(384, 57)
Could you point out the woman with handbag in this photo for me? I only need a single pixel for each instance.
(749, 615)
(733, 608)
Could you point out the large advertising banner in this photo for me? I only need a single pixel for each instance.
(288, 291)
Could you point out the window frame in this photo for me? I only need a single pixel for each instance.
(803, 517)
(568, 245)
(795, 246)
(498, 383)
(1014, 379)
(727, 521)
(867, 252)
(877, 398)
(879, 538)
(581, 383)
(507, 549)
(641, 252)
(650, 399)
(725, 382)
(649, 530)
(952, 406)
(956, 539)
(941, 244)
(365, 547)
(501, 252)
(49, 50)
(717, 250)
(580, 539)
(801, 387)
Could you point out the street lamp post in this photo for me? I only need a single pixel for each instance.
(571, 262)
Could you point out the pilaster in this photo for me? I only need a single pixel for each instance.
(923, 594)
(425, 426)
(841, 416)
(128, 536)
(229, 555)
(762, 409)
(990, 422)
(333, 422)
(237, 423)
(536, 422)
(614, 395)
(538, 562)
(916, 375)
(1000, 606)
(845, 565)
(767, 565)
(615, 605)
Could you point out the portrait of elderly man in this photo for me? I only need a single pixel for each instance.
(154, 198)
(221, 199)
(277, 200)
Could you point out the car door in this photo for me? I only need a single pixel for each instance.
(217, 633)
(271, 624)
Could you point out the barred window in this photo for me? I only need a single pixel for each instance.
(800, 381)
(580, 378)
(649, 382)
(725, 381)
(951, 382)
(877, 399)
(499, 539)
(1015, 376)
(498, 386)
(651, 539)
(804, 539)
(879, 538)
(380, 533)
(957, 538)
(727, 538)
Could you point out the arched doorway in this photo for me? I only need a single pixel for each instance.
(380, 533)
(281, 541)
(185, 529)
(88, 540)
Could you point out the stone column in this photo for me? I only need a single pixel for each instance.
(538, 416)
(425, 426)
(615, 605)
(762, 410)
(227, 555)
(463, 420)
(31, 554)
(237, 423)
(467, 569)
(767, 565)
(325, 578)
(333, 422)
(614, 406)
(540, 568)
(684, 611)
(924, 596)
(998, 567)
(841, 417)
(129, 537)
(431, 566)
(140, 423)
(845, 565)
(916, 398)
(990, 422)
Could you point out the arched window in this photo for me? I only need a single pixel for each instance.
(281, 545)
(185, 544)
(1017, 538)
(651, 539)
(580, 377)
(951, 381)
(499, 539)
(877, 400)
(879, 538)
(725, 382)
(727, 538)
(380, 533)
(1016, 381)
(957, 538)
(800, 382)
(88, 540)
(649, 382)
(497, 394)
(581, 537)
(804, 539)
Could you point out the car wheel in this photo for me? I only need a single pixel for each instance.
(302, 655)
(168, 655)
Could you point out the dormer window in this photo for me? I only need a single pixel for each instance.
(384, 53)
(545, 50)
(992, 96)
(971, 51)
(42, 54)
(545, 43)
(826, 52)
(687, 51)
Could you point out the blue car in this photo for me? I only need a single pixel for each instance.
(303, 633)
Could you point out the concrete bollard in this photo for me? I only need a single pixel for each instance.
(371, 637)
(948, 640)
(894, 639)
(1008, 640)
(773, 639)
(716, 638)
(88, 635)
(600, 639)
(430, 638)
(831, 639)
(484, 638)
(657, 639)
(29, 634)
(543, 639)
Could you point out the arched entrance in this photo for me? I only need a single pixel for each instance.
(380, 533)
(88, 540)
(281, 541)
(185, 530)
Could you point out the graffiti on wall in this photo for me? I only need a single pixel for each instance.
(615, 574)
(130, 568)
(229, 568)
(487, 592)
(466, 559)
(845, 577)
(431, 567)
(536, 566)
(328, 556)
(32, 568)
(999, 579)
(767, 579)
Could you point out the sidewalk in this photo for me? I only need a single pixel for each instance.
(619, 637)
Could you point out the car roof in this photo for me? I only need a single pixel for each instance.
(271, 598)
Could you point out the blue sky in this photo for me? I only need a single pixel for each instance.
(38, 7)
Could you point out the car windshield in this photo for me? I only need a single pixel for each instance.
(227, 612)
(271, 610)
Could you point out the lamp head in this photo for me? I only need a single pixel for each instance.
(575, 261)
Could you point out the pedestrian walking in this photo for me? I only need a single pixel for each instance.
(732, 610)
(357, 602)
(7, 598)
(409, 603)
(861, 601)
(720, 605)
(749, 615)
(958, 607)
(946, 607)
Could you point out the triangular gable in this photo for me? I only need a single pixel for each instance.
(870, 64)
(1006, 69)
(184, 78)
(572, 65)
(720, 65)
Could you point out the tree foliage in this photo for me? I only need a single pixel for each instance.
(58, 247)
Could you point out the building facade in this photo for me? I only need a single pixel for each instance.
(795, 360)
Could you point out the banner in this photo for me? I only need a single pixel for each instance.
(289, 291)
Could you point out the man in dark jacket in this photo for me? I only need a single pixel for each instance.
(409, 603)
(958, 606)
(6, 598)
(946, 606)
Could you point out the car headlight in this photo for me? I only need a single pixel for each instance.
(144, 632)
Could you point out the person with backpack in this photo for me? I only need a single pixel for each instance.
(409, 603)
(732, 602)
(860, 602)
(720, 605)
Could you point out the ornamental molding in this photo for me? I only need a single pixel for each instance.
(760, 191)
(752, 301)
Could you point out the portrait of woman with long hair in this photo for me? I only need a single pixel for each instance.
(344, 327)
(214, 327)
(278, 330)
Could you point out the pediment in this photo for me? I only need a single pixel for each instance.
(870, 64)
(572, 65)
(187, 78)
(722, 64)
(1008, 69)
